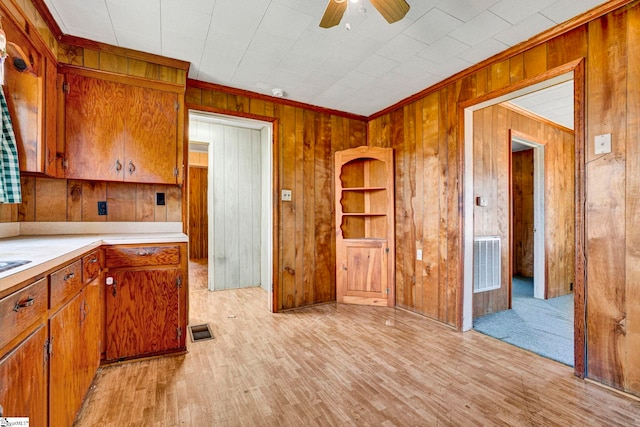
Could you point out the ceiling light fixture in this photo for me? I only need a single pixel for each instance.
(278, 93)
(391, 10)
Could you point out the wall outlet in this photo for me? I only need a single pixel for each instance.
(419, 254)
(603, 143)
(102, 208)
(160, 199)
(286, 195)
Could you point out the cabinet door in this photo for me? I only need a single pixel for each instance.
(65, 385)
(94, 128)
(143, 312)
(50, 144)
(362, 274)
(24, 94)
(91, 334)
(151, 145)
(23, 371)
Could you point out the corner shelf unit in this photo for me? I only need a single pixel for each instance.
(365, 250)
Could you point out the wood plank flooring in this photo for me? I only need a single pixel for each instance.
(343, 365)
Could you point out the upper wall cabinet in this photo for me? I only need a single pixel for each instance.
(30, 91)
(122, 129)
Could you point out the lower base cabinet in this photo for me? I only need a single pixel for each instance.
(55, 331)
(75, 354)
(146, 300)
(23, 389)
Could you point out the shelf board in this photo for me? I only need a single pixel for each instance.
(367, 239)
(363, 214)
(364, 188)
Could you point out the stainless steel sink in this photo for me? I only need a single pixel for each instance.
(8, 265)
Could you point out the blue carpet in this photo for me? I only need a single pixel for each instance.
(542, 326)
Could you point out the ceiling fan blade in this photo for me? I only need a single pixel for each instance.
(391, 10)
(333, 13)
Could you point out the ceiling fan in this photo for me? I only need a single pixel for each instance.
(391, 10)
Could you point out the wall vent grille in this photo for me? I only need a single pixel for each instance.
(486, 263)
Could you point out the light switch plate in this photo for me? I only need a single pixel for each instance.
(603, 143)
(482, 201)
(286, 195)
(419, 254)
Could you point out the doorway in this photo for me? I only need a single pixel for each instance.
(499, 299)
(239, 186)
(527, 207)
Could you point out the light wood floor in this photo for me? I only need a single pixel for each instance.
(343, 365)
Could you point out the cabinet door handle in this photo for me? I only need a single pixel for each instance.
(112, 282)
(93, 260)
(23, 304)
(118, 165)
(132, 167)
(69, 276)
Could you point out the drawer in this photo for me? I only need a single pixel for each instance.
(65, 283)
(21, 309)
(140, 256)
(91, 266)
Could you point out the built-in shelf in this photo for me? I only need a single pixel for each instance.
(364, 224)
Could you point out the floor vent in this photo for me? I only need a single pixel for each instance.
(486, 263)
(200, 332)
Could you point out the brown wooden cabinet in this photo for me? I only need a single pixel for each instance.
(23, 353)
(118, 131)
(365, 226)
(74, 334)
(52, 331)
(23, 389)
(146, 309)
(31, 96)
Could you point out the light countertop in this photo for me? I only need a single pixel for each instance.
(49, 251)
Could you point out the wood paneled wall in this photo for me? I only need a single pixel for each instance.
(61, 200)
(491, 180)
(426, 136)
(306, 142)
(523, 208)
(25, 14)
(118, 61)
(198, 212)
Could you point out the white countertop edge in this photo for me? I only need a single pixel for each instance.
(74, 246)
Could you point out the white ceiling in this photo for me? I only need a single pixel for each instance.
(554, 103)
(258, 45)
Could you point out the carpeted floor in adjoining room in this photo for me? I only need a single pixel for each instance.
(542, 326)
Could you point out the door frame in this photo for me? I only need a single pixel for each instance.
(576, 70)
(269, 212)
(539, 250)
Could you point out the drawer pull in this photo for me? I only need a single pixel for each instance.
(23, 304)
(145, 253)
(69, 276)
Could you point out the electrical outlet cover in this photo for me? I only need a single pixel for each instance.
(102, 208)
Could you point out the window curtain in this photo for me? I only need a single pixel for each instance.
(10, 191)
